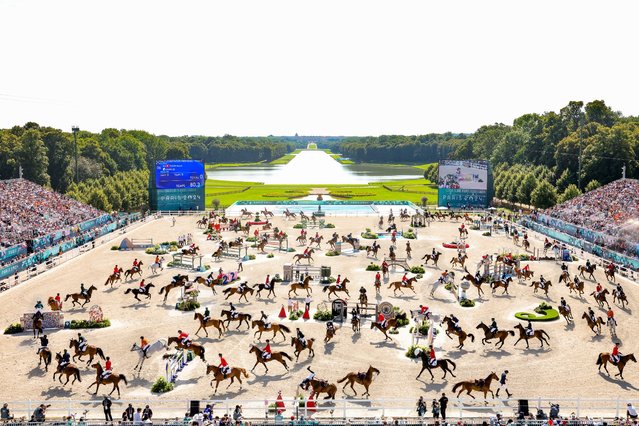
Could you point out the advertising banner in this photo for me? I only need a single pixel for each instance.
(464, 183)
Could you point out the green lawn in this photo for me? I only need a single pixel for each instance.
(210, 166)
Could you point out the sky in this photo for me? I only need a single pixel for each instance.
(327, 67)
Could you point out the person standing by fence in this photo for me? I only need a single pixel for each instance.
(106, 406)
(443, 403)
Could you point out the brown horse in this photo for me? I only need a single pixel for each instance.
(230, 291)
(275, 356)
(537, 334)
(456, 260)
(317, 241)
(301, 286)
(180, 282)
(128, 274)
(441, 363)
(610, 274)
(218, 376)
(217, 254)
(113, 278)
(489, 335)
(209, 282)
(211, 322)
(197, 349)
(604, 358)
(308, 256)
(136, 291)
(275, 328)
(526, 244)
(566, 313)
(90, 350)
(299, 347)
(585, 270)
(372, 249)
(434, 258)
(330, 333)
(364, 379)
(355, 324)
(577, 287)
(113, 379)
(321, 386)
(461, 334)
(595, 325)
(390, 323)
(240, 318)
(619, 297)
(79, 296)
(44, 355)
(399, 285)
(334, 288)
(525, 274)
(301, 240)
(68, 370)
(544, 287)
(601, 297)
(501, 283)
(37, 327)
(53, 304)
(481, 385)
(564, 277)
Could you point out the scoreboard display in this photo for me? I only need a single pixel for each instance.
(179, 174)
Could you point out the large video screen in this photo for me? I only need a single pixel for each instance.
(178, 174)
(463, 183)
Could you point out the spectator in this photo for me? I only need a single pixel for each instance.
(187, 419)
(129, 412)
(631, 413)
(421, 407)
(4, 412)
(435, 409)
(208, 412)
(106, 406)
(125, 417)
(443, 403)
(237, 413)
(39, 415)
(137, 417)
(147, 414)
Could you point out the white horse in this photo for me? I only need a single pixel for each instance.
(612, 325)
(154, 266)
(450, 278)
(153, 347)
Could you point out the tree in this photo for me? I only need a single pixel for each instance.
(60, 153)
(99, 200)
(177, 151)
(33, 157)
(526, 188)
(592, 185)
(609, 149)
(599, 112)
(544, 195)
(571, 192)
(424, 201)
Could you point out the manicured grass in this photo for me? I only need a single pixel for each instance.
(211, 166)
(286, 158)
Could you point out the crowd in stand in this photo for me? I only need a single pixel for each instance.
(30, 211)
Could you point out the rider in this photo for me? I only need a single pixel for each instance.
(493, 326)
(611, 267)
(611, 317)
(83, 291)
(455, 321)
(598, 289)
(404, 280)
(207, 314)
(381, 319)
(44, 343)
(526, 268)
(307, 381)
(384, 265)
(142, 288)
(588, 264)
(330, 327)
(265, 320)
(38, 309)
(116, 270)
(82, 342)
(108, 368)
(477, 276)
(267, 281)
(563, 303)
(542, 281)
(338, 282)
(184, 338)
(305, 252)
(620, 292)
(266, 352)
(564, 267)
(432, 358)
(529, 329)
(591, 314)
(615, 356)
(135, 262)
(144, 345)
(378, 277)
(58, 300)
(242, 287)
(224, 366)
(233, 310)
(157, 259)
(65, 360)
(301, 338)
(355, 314)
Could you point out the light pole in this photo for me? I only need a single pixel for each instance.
(75, 130)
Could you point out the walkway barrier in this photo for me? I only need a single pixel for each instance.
(188, 260)
(142, 242)
(294, 272)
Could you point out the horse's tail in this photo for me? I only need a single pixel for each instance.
(472, 337)
(107, 281)
(162, 290)
(599, 360)
(285, 328)
(202, 353)
(99, 352)
(128, 290)
(326, 288)
(287, 356)
(67, 298)
(546, 334)
(123, 378)
(391, 284)
(512, 333)
(243, 371)
(532, 284)
(47, 357)
(457, 385)
(226, 290)
(343, 380)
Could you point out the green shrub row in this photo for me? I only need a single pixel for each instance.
(76, 324)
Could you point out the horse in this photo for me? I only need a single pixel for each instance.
(390, 323)
(217, 254)
(44, 355)
(461, 334)
(275, 356)
(333, 288)
(364, 379)
(577, 287)
(180, 282)
(301, 286)
(112, 379)
(501, 283)
(372, 249)
(79, 296)
(155, 265)
(594, 324)
(202, 222)
(209, 282)
(321, 386)
(604, 358)
(449, 279)
(350, 241)
(136, 291)
(301, 240)
(211, 322)
(113, 278)
(537, 334)
(190, 251)
(289, 215)
(68, 370)
(128, 274)
(526, 274)
(90, 350)
(601, 297)
(153, 347)
(363, 299)
(526, 244)
(197, 349)
(463, 232)
(240, 318)
(516, 239)
(566, 313)
(610, 274)
(585, 270)
(544, 287)
(456, 260)
(330, 333)
(53, 304)
(355, 324)
(236, 290)
(218, 376)
(441, 363)
(247, 213)
(38, 325)
(619, 297)
(564, 277)
(481, 385)
(299, 347)
(262, 245)
(433, 257)
(488, 335)
(267, 213)
(308, 256)
(275, 328)
(399, 284)
(262, 286)
(317, 241)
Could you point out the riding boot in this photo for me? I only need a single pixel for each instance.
(497, 393)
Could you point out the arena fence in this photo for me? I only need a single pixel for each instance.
(324, 411)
